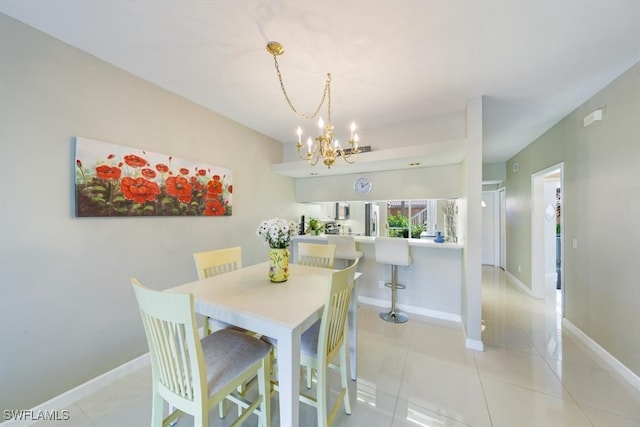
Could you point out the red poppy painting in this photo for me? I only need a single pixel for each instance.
(113, 180)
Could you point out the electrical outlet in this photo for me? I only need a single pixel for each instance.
(519, 269)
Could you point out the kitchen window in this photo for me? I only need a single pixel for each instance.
(412, 218)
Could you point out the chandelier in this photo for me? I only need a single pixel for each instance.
(323, 146)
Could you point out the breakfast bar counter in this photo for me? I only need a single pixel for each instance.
(433, 281)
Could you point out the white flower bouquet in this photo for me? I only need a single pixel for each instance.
(277, 232)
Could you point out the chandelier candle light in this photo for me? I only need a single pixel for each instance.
(324, 146)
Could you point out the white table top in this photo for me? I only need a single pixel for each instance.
(247, 294)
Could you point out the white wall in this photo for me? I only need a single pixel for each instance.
(489, 241)
(437, 182)
(471, 225)
(67, 312)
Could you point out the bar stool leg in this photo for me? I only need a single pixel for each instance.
(395, 315)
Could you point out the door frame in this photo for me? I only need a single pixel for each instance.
(537, 229)
(501, 228)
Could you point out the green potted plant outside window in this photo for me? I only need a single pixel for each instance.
(398, 225)
(416, 231)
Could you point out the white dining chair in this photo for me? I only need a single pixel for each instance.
(316, 255)
(193, 376)
(213, 263)
(324, 342)
(219, 261)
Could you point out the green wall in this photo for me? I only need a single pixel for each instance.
(601, 211)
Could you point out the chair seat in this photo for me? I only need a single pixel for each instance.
(228, 353)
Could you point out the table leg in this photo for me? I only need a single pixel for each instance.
(289, 378)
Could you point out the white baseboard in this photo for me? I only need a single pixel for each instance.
(421, 311)
(474, 344)
(520, 285)
(69, 397)
(617, 366)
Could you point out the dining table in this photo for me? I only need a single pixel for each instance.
(282, 311)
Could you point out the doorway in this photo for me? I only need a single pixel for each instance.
(547, 230)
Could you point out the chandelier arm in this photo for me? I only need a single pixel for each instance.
(310, 154)
(346, 157)
(305, 156)
(327, 89)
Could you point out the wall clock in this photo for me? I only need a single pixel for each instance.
(362, 185)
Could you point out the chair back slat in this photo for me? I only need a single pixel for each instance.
(316, 255)
(175, 371)
(176, 355)
(213, 263)
(334, 317)
(339, 304)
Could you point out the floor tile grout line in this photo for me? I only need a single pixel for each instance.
(615, 414)
(404, 367)
(484, 393)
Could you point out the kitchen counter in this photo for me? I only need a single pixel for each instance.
(428, 242)
(433, 280)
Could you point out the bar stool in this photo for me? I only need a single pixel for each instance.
(394, 251)
(345, 248)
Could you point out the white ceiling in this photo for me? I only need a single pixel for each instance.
(392, 62)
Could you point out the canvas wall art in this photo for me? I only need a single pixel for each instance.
(114, 180)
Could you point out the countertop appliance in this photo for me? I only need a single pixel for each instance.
(332, 228)
(371, 219)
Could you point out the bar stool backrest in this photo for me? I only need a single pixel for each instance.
(392, 250)
(345, 246)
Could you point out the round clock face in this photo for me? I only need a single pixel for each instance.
(362, 185)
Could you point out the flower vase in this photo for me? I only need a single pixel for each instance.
(278, 265)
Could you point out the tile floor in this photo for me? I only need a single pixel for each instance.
(532, 373)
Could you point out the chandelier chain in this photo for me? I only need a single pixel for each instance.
(327, 90)
(325, 146)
